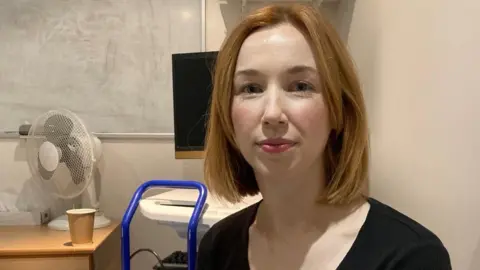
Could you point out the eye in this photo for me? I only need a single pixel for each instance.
(251, 89)
(301, 87)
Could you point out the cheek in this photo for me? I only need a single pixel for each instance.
(244, 119)
(312, 119)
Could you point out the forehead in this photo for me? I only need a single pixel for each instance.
(275, 47)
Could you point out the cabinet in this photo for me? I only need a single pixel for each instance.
(40, 248)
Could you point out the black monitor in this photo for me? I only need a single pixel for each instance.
(192, 86)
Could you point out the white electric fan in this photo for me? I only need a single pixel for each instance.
(62, 154)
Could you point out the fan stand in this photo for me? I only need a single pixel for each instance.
(61, 223)
(89, 200)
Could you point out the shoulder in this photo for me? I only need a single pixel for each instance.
(402, 242)
(219, 238)
(388, 221)
(233, 224)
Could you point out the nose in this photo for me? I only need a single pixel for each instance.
(274, 112)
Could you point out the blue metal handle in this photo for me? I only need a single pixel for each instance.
(192, 224)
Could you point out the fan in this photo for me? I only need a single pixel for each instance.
(61, 155)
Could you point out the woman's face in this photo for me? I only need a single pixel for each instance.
(278, 112)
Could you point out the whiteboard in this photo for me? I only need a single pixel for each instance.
(109, 61)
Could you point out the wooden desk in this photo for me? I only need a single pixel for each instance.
(40, 248)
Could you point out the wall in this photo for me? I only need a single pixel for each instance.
(419, 62)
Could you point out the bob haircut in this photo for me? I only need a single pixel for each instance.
(227, 174)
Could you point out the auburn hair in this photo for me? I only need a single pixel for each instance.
(226, 172)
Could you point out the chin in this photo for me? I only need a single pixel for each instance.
(269, 167)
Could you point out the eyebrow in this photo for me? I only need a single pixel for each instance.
(292, 70)
(300, 69)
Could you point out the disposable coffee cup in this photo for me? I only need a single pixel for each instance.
(81, 222)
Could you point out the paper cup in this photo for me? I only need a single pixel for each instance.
(81, 222)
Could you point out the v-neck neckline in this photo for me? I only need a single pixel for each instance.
(342, 266)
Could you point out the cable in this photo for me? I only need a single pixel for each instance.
(160, 263)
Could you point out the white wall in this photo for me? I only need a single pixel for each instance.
(419, 62)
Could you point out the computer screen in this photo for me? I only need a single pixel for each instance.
(192, 87)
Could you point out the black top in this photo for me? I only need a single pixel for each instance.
(388, 240)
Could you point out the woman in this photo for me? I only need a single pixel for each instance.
(288, 120)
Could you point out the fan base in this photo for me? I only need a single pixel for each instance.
(61, 223)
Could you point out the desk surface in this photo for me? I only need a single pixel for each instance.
(165, 207)
(40, 240)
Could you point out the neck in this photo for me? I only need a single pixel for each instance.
(290, 201)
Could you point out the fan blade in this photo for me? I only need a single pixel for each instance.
(43, 172)
(75, 166)
(65, 152)
(68, 146)
(57, 128)
(72, 152)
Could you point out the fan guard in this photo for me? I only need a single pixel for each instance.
(74, 160)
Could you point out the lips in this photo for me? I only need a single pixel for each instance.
(278, 145)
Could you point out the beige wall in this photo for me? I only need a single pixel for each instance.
(419, 62)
